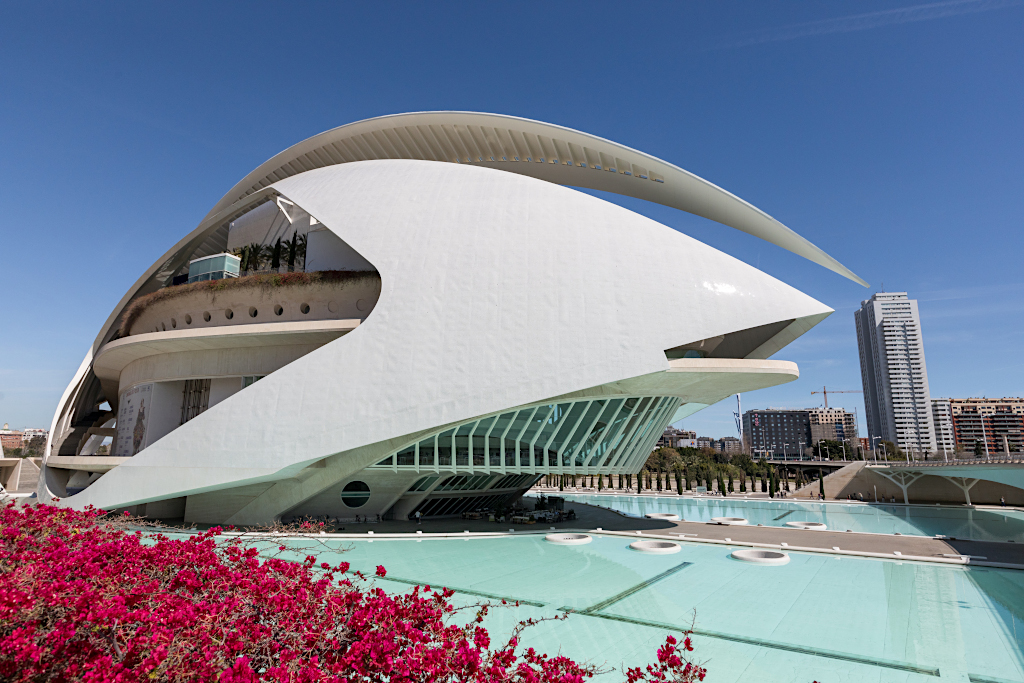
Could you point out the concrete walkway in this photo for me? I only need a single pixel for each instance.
(590, 518)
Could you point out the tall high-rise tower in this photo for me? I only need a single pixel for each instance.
(893, 371)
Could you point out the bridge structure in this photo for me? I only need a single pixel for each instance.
(963, 474)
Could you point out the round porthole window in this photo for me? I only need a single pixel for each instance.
(304, 308)
(355, 494)
(174, 323)
(206, 316)
(229, 314)
(188, 319)
(278, 310)
(253, 312)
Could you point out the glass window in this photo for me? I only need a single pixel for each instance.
(407, 456)
(551, 424)
(566, 425)
(423, 483)
(536, 422)
(581, 433)
(444, 448)
(355, 494)
(427, 454)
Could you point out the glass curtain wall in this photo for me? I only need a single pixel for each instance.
(594, 436)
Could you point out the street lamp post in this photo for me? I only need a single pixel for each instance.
(819, 450)
(874, 447)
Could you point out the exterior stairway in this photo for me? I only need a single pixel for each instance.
(29, 479)
(835, 483)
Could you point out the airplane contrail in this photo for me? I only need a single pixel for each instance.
(869, 20)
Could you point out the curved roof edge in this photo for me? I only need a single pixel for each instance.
(542, 150)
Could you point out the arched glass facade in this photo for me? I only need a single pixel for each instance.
(604, 435)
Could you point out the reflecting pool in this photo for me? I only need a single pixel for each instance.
(916, 520)
(820, 617)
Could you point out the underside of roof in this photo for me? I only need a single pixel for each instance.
(540, 150)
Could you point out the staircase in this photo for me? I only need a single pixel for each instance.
(835, 483)
(29, 477)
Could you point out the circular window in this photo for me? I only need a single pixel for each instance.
(188, 319)
(332, 306)
(361, 305)
(206, 316)
(252, 311)
(229, 314)
(304, 308)
(174, 323)
(355, 494)
(278, 310)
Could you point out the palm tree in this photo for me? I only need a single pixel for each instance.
(292, 246)
(242, 254)
(255, 257)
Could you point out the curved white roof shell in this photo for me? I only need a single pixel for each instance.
(541, 150)
(498, 290)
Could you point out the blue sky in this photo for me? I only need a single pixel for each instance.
(889, 134)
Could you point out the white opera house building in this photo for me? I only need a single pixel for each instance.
(418, 313)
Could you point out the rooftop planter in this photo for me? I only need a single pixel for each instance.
(266, 282)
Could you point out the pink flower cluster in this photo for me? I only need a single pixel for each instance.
(84, 598)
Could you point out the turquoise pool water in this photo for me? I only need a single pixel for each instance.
(821, 617)
(916, 520)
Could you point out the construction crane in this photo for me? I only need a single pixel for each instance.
(835, 391)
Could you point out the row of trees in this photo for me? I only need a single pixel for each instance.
(683, 469)
(289, 251)
(32, 447)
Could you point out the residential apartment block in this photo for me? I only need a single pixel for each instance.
(942, 424)
(997, 424)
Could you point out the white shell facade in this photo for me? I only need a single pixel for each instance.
(513, 328)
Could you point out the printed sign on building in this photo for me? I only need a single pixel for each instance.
(132, 420)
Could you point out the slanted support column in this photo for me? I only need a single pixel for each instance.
(903, 480)
(963, 485)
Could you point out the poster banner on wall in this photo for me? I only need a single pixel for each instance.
(132, 420)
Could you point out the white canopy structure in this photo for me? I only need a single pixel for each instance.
(533, 148)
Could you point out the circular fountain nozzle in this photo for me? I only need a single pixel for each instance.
(568, 539)
(656, 547)
(759, 556)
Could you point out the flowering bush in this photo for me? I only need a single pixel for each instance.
(85, 598)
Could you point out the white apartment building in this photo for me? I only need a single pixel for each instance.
(942, 423)
(893, 371)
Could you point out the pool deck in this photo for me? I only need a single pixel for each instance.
(592, 518)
